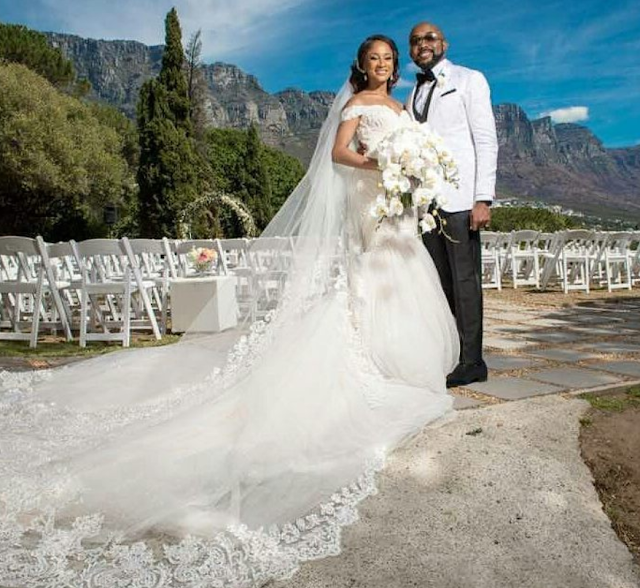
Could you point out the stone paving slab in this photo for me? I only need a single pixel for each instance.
(557, 336)
(575, 378)
(506, 344)
(513, 317)
(612, 347)
(513, 329)
(593, 318)
(509, 362)
(563, 354)
(628, 368)
(549, 322)
(599, 330)
(514, 388)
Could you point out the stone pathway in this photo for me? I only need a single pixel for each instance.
(536, 351)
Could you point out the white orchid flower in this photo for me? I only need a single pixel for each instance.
(395, 207)
(422, 197)
(379, 209)
(404, 184)
(428, 223)
(430, 179)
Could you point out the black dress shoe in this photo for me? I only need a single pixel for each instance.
(467, 373)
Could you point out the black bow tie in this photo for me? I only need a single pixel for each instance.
(425, 76)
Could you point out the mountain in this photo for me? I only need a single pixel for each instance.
(564, 164)
(558, 163)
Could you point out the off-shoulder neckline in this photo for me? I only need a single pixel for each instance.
(391, 108)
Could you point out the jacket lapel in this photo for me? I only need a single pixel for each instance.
(442, 87)
(409, 104)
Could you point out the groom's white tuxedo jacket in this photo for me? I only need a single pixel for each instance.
(460, 111)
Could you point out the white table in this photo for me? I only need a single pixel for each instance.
(203, 304)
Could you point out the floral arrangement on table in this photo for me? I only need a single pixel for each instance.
(414, 164)
(202, 259)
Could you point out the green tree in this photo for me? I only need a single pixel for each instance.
(285, 173)
(18, 44)
(516, 218)
(196, 86)
(127, 212)
(227, 156)
(59, 165)
(172, 73)
(255, 184)
(171, 173)
(168, 172)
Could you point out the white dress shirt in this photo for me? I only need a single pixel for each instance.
(460, 111)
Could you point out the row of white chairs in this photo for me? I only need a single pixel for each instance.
(104, 288)
(575, 259)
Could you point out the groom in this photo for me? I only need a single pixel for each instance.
(456, 102)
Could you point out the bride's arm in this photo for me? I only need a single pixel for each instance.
(341, 152)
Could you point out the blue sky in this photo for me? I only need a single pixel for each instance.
(577, 60)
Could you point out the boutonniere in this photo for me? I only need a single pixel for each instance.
(441, 80)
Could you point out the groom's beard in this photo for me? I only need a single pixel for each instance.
(435, 59)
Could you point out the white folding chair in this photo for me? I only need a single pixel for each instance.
(525, 269)
(597, 268)
(491, 274)
(271, 260)
(616, 261)
(29, 295)
(576, 259)
(633, 253)
(236, 262)
(504, 252)
(154, 263)
(549, 258)
(108, 284)
(60, 272)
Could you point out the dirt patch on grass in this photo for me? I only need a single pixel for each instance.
(610, 442)
(556, 298)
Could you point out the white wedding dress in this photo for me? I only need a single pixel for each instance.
(190, 466)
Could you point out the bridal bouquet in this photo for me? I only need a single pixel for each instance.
(414, 164)
(202, 259)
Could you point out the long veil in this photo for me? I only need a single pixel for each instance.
(224, 460)
(194, 464)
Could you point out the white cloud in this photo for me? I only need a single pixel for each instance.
(571, 114)
(228, 26)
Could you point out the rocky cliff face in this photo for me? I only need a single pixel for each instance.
(562, 164)
(116, 69)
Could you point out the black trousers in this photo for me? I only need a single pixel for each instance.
(459, 264)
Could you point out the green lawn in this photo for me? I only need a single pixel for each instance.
(61, 348)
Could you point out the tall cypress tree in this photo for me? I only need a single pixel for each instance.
(196, 87)
(169, 164)
(172, 72)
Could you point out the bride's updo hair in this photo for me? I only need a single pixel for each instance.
(358, 79)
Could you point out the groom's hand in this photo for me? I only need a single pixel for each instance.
(480, 215)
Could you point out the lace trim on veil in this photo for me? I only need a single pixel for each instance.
(38, 550)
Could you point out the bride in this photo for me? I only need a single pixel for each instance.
(225, 461)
